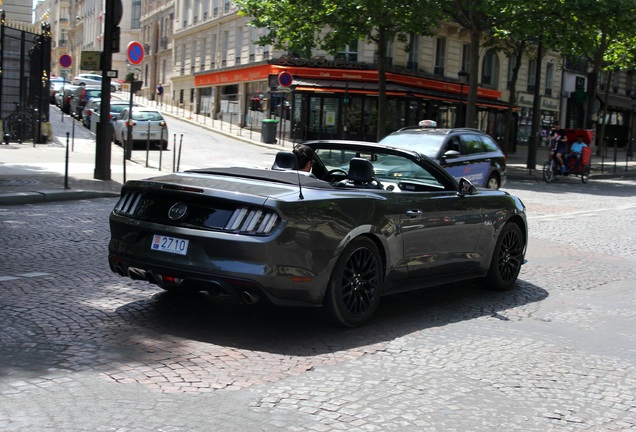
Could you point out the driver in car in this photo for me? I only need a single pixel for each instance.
(305, 156)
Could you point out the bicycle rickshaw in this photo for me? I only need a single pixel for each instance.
(551, 168)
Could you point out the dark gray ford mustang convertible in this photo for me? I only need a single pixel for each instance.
(371, 220)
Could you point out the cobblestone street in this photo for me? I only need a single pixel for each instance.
(82, 349)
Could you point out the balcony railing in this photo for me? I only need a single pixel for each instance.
(164, 42)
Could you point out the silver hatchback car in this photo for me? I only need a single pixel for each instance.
(148, 127)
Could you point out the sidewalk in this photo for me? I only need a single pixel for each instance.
(36, 173)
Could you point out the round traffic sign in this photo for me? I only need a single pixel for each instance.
(66, 61)
(135, 52)
(285, 79)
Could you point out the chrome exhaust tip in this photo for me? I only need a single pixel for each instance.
(249, 297)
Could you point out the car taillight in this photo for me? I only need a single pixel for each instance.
(246, 220)
(163, 124)
(131, 123)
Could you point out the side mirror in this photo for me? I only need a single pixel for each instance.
(451, 154)
(466, 187)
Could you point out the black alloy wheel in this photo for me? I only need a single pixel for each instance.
(354, 289)
(507, 259)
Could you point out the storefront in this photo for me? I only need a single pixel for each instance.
(618, 111)
(337, 100)
(549, 116)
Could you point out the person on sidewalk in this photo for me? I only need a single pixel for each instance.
(159, 94)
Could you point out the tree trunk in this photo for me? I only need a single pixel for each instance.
(471, 101)
(382, 109)
(535, 134)
(512, 100)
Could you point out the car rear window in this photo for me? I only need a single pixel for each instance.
(146, 116)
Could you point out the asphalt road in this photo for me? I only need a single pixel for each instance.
(82, 349)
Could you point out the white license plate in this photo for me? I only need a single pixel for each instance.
(169, 244)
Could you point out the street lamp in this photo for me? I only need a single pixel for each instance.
(463, 80)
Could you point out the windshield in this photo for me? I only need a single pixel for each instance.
(426, 144)
(387, 167)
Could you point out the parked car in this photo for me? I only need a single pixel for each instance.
(90, 107)
(463, 152)
(80, 97)
(148, 125)
(55, 84)
(116, 107)
(63, 97)
(372, 220)
(95, 80)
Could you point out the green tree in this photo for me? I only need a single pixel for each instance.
(302, 26)
(602, 33)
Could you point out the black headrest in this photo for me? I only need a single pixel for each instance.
(360, 170)
(285, 161)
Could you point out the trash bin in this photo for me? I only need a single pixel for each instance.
(268, 131)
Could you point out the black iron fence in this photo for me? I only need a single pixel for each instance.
(25, 59)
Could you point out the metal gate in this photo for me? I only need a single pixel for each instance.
(25, 60)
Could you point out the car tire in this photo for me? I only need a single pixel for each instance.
(493, 182)
(548, 171)
(354, 289)
(507, 259)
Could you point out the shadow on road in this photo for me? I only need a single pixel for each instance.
(302, 332)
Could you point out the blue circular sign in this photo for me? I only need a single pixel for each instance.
(285, 79)
(66, 60)
(135, 52)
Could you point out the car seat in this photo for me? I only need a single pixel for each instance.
(361, 175)
(285, 161)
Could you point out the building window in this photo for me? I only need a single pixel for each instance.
(239, 45)
(136, 15)
(549, 78)
(466, 57)
(414, 50)
(490, 69)
(512, 60)
(225, 43)
(440, 56)
(349, 52)
(532, 73)
(213, 52)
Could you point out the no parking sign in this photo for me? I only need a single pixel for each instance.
(66, 61)
(135, 52)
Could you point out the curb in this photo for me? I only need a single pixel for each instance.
(52, 195)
